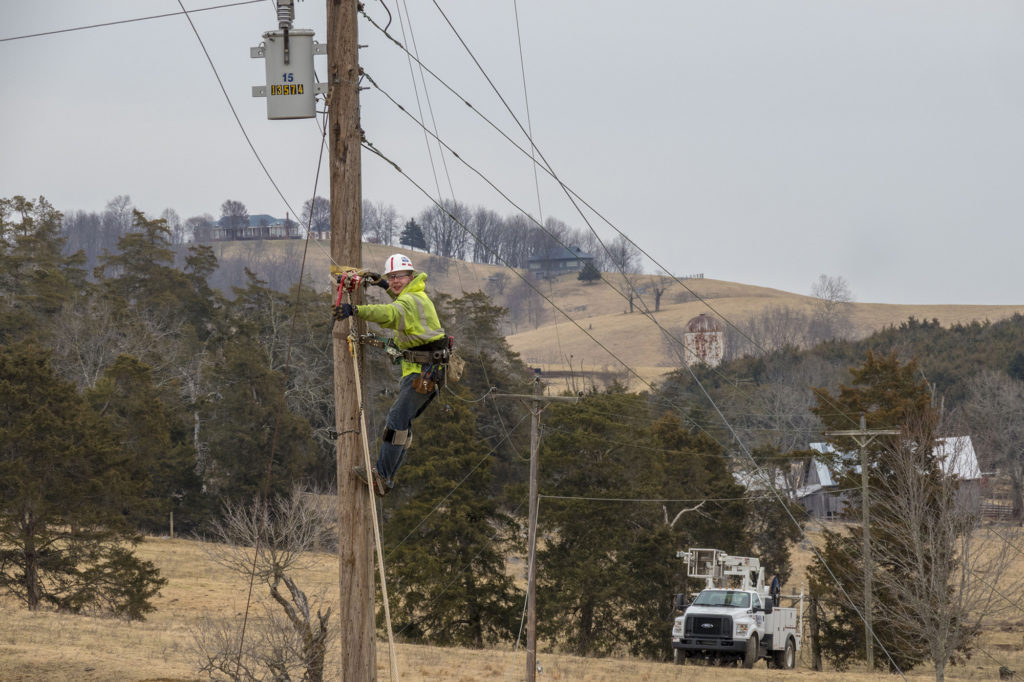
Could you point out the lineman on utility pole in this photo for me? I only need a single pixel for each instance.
(422, 349)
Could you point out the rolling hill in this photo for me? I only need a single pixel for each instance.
(602, 336)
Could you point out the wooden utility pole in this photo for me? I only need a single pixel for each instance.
(355, 560)
(862, 437)
(538, 400)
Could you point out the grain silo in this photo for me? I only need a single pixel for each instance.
(703, 341)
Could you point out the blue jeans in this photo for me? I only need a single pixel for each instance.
(408, 405)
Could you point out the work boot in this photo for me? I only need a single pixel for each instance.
(380, 488)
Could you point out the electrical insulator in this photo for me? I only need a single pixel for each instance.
(291, 87)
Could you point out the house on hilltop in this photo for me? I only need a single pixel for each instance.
(558, 261)
(257, 227)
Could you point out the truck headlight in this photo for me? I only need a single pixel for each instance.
(741, 629)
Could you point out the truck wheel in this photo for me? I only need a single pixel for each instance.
(786, 658)
(679, 656)
(750, 656)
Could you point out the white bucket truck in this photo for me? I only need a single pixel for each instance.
(734, 620)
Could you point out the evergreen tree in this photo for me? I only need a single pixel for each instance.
(65, 488)
(490, 364)
(412, 236)
(608, 572)
(154, 437)
(249, 428)
(36, 279)
(589, 274)
(447, 540)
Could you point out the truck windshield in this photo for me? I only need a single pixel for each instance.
(740, 600)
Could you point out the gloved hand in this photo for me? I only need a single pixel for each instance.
(344, 310)
(376, 280)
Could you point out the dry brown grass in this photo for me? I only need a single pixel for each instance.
(51, 646)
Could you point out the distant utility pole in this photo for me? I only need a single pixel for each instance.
(862, 437)
(355, 562)
(538, 400)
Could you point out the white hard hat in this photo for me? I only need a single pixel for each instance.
(397, 263)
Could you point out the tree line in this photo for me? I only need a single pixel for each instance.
(450, 230)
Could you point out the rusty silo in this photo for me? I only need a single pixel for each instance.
(703, 341)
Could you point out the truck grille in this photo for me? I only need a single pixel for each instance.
(709, 626)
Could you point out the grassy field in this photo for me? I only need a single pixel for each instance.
(51, 646)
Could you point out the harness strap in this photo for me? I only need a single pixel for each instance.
(427, 357)
(438, 356)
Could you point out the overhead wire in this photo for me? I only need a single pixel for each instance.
(756, 468)
(574, 196)
(533, 149)
(416, 92)
(644, 308)
(403, 20)
(129, 21)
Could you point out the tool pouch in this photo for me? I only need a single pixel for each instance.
(423, 384)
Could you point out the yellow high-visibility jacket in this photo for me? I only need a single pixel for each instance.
(411, 314)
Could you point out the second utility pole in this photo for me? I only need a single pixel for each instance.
(862, 437)
(537, 399)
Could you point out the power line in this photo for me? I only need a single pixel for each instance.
(372, 148)
(129, 21)
(644, 308)
(572, 195)
(403, 19)
(569, 194)
(756, 468)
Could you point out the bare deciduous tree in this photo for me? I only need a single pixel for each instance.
(623, 254)
(833, 292)
(773, 328)
(831, 320)
(444, 228)
(234, 218)
(488, 227)
(285, 531)
(995, 411)
(945, 573)
(175, 226)
(316, 215)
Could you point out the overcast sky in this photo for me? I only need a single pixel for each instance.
(763, 142)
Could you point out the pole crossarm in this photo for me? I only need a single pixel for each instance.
(870, 433)
(538, 398)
